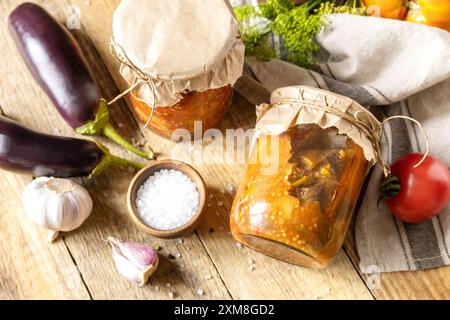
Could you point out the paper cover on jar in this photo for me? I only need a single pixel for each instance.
(306, 105)
(168, 48)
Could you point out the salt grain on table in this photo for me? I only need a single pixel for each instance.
(168, 200)
(200, 292)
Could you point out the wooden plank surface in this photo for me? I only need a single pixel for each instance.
(419, 285)
(80, 265)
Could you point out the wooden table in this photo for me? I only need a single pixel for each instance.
(79, 266)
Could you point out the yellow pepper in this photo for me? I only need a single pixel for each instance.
(415, 14)
(393, 9)
(436, 12)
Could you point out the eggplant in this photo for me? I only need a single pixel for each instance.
(29, 152)
(56, 61)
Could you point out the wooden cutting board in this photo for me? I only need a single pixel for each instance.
(79, 266)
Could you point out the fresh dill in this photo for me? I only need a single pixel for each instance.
(297, 25)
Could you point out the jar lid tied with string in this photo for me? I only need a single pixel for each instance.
(297, 105)
(171, 50)
(311, 152)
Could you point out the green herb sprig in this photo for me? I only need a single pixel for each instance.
(297, 26)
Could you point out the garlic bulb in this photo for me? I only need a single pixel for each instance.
(57, 204)
(134, 261)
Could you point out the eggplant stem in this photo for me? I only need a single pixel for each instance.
(101, 126)
(116, 161)
(111, 133)
(109, 160)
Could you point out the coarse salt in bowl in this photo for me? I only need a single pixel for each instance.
(167, 199)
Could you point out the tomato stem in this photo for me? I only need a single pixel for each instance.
(390, 187)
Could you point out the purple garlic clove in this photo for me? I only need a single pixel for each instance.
(134, 261)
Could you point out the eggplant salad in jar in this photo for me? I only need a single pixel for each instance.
(303, 179)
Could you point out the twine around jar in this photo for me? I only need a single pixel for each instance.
(372, 133)
(140, 78)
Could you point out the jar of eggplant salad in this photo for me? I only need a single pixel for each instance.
(181, 59)
(309, 159)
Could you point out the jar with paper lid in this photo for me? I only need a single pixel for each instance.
(180, 58)
(311, 152)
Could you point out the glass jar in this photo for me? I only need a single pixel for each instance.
(209, 107)
(299, 213)
(178, 60)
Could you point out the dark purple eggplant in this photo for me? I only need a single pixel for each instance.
(57, 63)
(29, 152)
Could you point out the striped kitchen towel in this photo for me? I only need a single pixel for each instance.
(393, 68)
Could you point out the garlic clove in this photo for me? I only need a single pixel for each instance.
(127, 269)
(134, 261)
(52, 236)
(146, 273)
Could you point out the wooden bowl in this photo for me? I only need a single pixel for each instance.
(143, 175)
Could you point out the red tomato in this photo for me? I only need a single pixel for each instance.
(424, 191)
